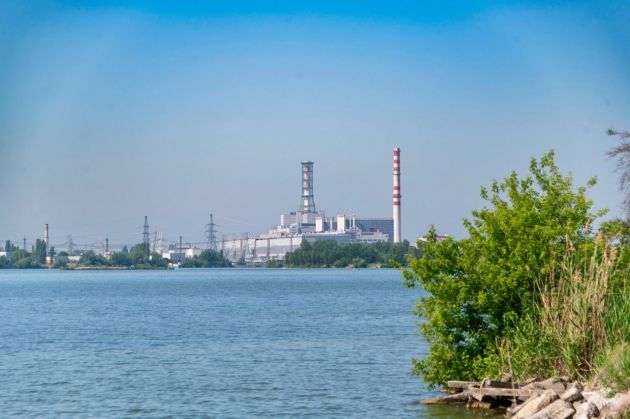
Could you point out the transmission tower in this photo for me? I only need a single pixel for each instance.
(145, 232)
(212, 234)
(24, 247)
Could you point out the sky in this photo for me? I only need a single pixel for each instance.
(110, 111)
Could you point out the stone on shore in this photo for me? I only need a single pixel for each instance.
(559, 409)
(535, 404)
(586, 411)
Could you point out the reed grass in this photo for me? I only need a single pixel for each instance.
(581, 319)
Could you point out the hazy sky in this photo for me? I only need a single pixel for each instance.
(110, 111)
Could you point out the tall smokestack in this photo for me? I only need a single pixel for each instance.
(397, 196)
(308, 199)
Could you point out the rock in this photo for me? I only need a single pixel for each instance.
(586, 410)
(535, 404)
(516, 408)
(577, 385)
(559, 409)
(596, 398)
(572, 394)
(618, 407)
(556, 384)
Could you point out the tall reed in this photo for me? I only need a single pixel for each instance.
(570, 323)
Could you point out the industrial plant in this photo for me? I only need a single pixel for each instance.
(308, 224)
(295, 227)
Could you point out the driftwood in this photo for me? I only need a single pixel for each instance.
(450, 399)
(481, 393)
(461, 384)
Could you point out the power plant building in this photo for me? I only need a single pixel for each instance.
(310, 225)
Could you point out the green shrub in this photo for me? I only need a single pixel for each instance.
(480, 288)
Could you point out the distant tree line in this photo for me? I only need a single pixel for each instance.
(207, 259)
(138, 257)
(22, 259)
(330, 254)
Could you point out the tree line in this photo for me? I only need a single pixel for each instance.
(138, 257)
(330, 254)
(22, 259)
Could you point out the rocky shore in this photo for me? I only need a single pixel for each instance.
(554, 398)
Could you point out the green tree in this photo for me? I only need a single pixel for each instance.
(9, 247)
(157, 261)
(478, 286)
(140, 254)
(89, 258)
(207, 259)
(121, 259)
(39, 252)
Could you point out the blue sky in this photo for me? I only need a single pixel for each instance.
(115, 110)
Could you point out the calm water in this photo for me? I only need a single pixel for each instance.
(209, 343)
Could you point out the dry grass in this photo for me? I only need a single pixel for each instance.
(574, 305)
(583, 313)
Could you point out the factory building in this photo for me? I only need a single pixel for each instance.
(310, 225)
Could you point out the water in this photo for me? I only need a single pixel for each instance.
(209, 343)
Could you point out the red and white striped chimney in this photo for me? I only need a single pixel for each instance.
(397, 196)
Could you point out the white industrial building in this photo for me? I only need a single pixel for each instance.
(310, 225)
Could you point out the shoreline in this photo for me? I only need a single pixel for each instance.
(556, 397)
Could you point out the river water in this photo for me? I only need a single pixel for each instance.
(210, 343)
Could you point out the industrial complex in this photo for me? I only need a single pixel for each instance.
(295, 227)
(311, 225)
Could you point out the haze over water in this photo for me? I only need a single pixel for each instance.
(211, 343)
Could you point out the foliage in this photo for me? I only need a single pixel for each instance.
(21, 259)
(89, 258)
(328, 253)
(614, 367)
(121, 259)
(479, 287)
(9, 247)
(583, 310)
(137, 258)
(39, 252)
(139, 254)
(208, 259)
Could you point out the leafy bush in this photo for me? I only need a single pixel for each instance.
(480, 288)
